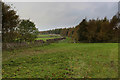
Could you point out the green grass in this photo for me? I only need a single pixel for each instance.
(46, 36)
(43, 35)
(44, 39)
(63, 60)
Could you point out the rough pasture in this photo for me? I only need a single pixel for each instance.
(47, 36)
(63, 60)
(54, 40)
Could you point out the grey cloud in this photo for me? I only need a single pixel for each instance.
(50, 15)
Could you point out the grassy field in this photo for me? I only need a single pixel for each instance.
(46, 36)
(63, 60)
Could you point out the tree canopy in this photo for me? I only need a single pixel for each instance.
(94, 30)
(27, 31)
(9, 23)
(14, 29)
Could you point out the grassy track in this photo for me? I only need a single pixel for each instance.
(63, 60)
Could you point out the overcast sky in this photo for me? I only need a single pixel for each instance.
(51, 15)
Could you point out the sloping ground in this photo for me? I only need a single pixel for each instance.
(63, 60)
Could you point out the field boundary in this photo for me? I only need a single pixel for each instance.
(7, 46)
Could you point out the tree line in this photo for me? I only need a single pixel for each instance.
(15, 29)
(93, 30)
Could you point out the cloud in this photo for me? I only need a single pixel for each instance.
(50, 15)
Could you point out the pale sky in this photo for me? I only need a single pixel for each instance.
(51, 15)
